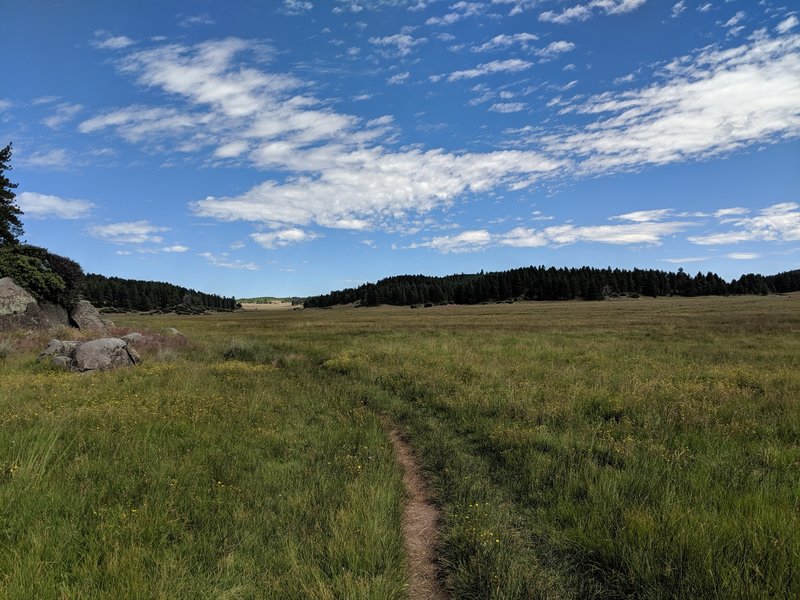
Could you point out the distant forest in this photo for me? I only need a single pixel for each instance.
(540, 283)
(133, 294)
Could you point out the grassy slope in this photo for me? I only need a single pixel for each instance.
(645, 448)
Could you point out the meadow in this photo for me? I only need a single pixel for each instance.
(643, 448)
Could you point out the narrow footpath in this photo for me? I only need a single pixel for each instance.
(420, 526)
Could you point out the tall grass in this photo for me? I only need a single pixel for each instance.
(619, 449)
(196, 478)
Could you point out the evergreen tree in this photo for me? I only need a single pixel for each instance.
(10, 225)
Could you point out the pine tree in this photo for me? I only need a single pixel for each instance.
(10, 225)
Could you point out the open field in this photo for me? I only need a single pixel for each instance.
(267, 306)
(638, 448)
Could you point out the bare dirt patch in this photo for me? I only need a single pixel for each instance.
(420, 526)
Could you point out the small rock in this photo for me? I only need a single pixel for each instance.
(53, 348)
(171, 331)
(133, 337)
(62, 362)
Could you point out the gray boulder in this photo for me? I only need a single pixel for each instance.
(105, 353)
(86, 316)
(95, 355)
(19, 310)
(172, 332)
(133, 337)
(13, 299)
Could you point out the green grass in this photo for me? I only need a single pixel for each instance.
(633, 448)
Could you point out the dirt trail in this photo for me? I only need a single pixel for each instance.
(420, 519)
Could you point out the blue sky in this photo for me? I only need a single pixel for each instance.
(294, 147)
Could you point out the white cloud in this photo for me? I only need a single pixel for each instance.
(644, 216)
(508, 107)
(742, 255)
(399, 78)
(467, 241)
(704, 8)
(708, 104)
(57, 158)
(4, 104)
(583, 12)
(689, 259)
(64, 113)
(787, 24)
(558, 47)
(503, 41)
(226, 263)
(645, 233)
(459, 10)
(132, 232)
(375, 186)
(678, 8)
(735, 19)
(648, 232)
(138, 123)
(42, 206)
(512, 65)
(729, 212)
(399, 44)
(518, 5)
(776, 223)
(175, 248)
(194, 20)
(231, 149)
(283, 237)
(329, 169)
(105, 41)
(296, 7)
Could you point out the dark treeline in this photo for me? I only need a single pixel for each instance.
(540, 283)
(132, 294)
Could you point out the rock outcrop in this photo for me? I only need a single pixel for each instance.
(86, 316)
(13, 299)
(96, 355)
(19, 310)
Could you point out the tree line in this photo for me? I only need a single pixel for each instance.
(134, 294)
(542, 283)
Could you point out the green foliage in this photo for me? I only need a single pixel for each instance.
(540, 283)
(46, 275)
(134, 294)
(30, 273)
(67, 270)
(10, 225)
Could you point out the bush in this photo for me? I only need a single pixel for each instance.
(68, 270)
(30, 273)
(46, 275)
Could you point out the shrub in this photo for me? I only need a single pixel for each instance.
(30, 273)
(70, 273)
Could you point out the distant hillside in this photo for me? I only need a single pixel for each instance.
(134, 294)
(540, 283)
